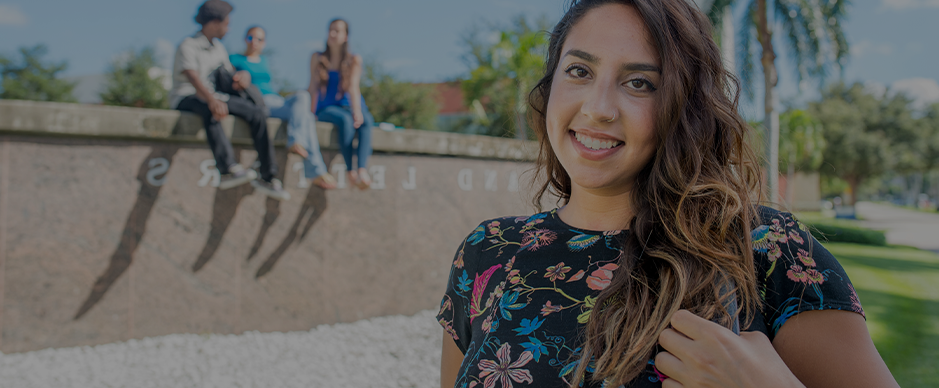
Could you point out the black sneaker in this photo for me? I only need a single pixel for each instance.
(273, 189)
(237, 176)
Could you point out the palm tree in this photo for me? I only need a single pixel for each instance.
(816, 43)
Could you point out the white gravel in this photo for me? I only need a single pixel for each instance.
(393, 351)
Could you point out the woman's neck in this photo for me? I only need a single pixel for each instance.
(597, 209)
(335, 57)
(253, 56)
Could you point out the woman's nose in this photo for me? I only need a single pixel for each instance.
(600, 104)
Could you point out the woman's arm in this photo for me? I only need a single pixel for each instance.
(827, 348)
(314, 88)
(355, 95)
(832, 348)
(450, 360)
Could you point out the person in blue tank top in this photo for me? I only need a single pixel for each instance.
(301, 125)
(335, 74)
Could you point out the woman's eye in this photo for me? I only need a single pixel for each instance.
(641, 85)
(577, 72)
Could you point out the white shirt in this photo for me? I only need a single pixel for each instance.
(203, 56)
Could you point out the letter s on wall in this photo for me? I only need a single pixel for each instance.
(158, 166)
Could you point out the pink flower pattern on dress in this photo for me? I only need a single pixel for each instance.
(504, 370)
(555, 272)
(600, 279)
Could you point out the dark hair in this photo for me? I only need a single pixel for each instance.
(345, 62)
(693, 201)
(253, 26)
(213, 10)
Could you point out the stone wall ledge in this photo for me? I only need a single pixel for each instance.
(83, 120)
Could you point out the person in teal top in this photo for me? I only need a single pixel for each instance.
(301, 124)
(334, 85)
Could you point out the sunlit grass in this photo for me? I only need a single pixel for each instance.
(899, 289)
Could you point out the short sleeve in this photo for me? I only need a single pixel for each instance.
(236, 62)
(796, 273)
(454, 313)
(187, 56)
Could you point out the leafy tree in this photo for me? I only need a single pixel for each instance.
(398, 102)
(503, 72)
(857, 149)
(816, 42)
(135, 80)
(801, 142)
(930, 140)
(31, 79)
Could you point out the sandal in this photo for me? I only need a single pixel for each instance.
(365, 181)
(326, 181)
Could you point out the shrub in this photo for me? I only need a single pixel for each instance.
(825, 232)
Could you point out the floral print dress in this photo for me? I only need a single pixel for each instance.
(521, 289)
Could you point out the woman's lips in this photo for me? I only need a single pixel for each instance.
(606, 147)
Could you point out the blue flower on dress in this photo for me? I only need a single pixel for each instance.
(529, 326)
(508, 303)
(536, 347)
(581, 241)
(478, 235)
(463, 283)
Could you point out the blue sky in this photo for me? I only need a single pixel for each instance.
(893, 41)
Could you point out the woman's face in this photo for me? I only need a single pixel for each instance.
(255, 40)
(601, 112)
(337, 33)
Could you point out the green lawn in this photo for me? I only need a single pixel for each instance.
(899, 289)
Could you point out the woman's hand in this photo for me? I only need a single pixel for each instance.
(357, 119)
(701, 353)
(241, 79)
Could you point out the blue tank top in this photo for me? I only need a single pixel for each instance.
(332, 88)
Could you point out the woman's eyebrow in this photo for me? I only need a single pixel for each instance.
(583, 55)
(641, 67)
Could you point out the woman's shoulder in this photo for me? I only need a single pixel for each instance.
(491, 237)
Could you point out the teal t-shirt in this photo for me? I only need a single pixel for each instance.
(260, 72)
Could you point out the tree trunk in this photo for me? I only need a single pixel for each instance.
(853, 184)
(790, 176)
(764, 30)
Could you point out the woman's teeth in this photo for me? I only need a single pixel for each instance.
(595, 144)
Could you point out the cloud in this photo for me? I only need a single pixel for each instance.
(865, 47)
(923, 91)
(10, 15)
(910, 4)
(165, 51)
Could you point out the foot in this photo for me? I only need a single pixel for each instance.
(326, 181)
(237, 176)
(299, 150)
(365, 181)
(353, 178)
(274, 189)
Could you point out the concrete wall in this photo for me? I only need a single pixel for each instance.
(110, 228)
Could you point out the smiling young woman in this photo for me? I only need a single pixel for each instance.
(659, 256)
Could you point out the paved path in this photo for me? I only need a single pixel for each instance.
(903, 226)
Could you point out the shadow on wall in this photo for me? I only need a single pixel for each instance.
(312, 209)
(134, 228)
(224, 208)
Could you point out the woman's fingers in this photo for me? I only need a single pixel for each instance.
(671, 383)
(693, 326)
(669, 365)
(675, 342)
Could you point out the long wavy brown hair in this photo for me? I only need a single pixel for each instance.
(345, 63)
(694, 202)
